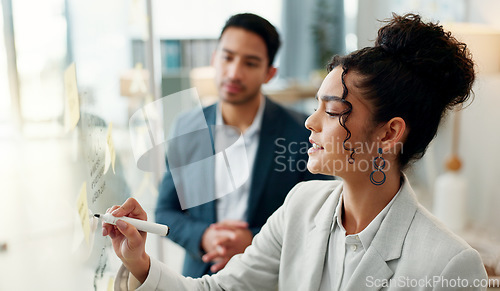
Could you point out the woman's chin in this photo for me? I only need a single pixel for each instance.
(314, 168)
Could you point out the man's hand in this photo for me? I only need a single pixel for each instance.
(223, 240)
(128, 242)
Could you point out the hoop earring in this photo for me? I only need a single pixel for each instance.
(379, 165)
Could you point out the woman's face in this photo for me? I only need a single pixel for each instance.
(328, 156)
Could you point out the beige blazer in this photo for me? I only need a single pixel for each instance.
(410, 249)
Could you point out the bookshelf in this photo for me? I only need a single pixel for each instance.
(178, 57)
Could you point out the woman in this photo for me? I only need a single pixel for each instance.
(378, 109)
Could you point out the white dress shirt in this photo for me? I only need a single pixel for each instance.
(345, 252)
(234, 205)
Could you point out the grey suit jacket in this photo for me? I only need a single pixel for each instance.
(411, 248)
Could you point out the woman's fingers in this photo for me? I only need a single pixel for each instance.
(111, 209)
(108, 228)
(130, 208)
(128, 242)
(134, 238)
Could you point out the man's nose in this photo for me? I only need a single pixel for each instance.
(235, 70)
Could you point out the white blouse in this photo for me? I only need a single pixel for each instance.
(345, 252)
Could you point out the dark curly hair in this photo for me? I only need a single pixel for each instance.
(415, 71)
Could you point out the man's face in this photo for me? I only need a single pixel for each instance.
(241, 65)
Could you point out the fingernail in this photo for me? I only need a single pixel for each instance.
(104, 232)
(117, 210)
(204, 259)
(122, 225)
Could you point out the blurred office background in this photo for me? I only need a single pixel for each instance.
(133, 52)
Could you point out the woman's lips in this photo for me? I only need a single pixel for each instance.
(315, 147)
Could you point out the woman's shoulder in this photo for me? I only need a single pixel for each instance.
(424, 229)
(311, 194)
(438, 232)
(430, 241)
(321, 187)
(431, 249)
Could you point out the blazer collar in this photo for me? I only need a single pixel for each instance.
(210, 112)
(208, 209)
(390, 238)
(317, 241)
(387, 244)
(272, 123)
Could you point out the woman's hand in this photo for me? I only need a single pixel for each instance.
(128, 242)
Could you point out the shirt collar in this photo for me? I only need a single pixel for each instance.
(366, 235)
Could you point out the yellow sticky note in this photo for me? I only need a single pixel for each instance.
(83, 212)
(111, 283)
(110, 156)
(72, 104)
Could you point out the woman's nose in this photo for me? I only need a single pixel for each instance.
(311, 122)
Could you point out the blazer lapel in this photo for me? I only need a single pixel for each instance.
(210, 117)
(387, 244)
(271, 123)
(317, 243)
(208, 209)
(372, 267)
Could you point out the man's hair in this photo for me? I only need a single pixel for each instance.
(259, 26)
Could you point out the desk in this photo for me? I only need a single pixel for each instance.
(290, 94)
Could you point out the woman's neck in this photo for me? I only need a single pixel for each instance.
(363, 201)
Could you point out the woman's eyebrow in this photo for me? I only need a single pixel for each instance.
(328, 98)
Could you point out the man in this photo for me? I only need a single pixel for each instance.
(275, 142)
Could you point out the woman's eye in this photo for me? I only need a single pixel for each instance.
(332, 114)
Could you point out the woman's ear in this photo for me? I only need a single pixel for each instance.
(393, 134)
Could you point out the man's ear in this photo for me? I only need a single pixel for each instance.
(393, 134)
(270, 74)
